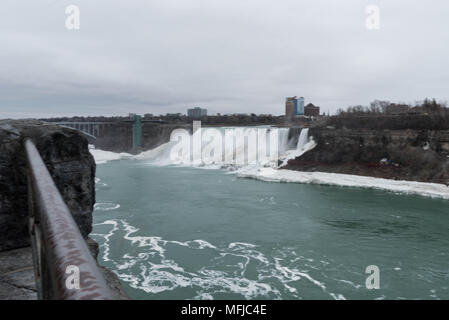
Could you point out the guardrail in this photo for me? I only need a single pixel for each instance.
(60, 253)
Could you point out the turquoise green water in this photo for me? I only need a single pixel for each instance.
(184, 233)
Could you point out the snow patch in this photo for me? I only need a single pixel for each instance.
(292, 154)
(433, 190)
(102, 156)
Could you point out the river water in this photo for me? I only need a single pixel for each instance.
(185, 233)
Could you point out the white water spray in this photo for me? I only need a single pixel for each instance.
(303, 139)
(304, 144)
(250, 148)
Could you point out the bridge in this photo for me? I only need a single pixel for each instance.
(93, 130)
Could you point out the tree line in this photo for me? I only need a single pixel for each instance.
(378, 107)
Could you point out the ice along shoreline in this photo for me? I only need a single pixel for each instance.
(433, 190)
(268, 174)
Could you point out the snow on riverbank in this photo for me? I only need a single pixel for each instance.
(270, 174)
(153, 153)
(433, 190)
(102, 156)
(292, 154)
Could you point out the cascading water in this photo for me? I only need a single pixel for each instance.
(304, 144)
(303, 139)
(283, 139)
(232, 149)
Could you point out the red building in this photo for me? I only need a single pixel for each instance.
(311, 110)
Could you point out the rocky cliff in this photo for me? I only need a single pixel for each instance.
(409, 154)
(66, 154)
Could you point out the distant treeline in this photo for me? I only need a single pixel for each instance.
(426, 115)
(377, 107)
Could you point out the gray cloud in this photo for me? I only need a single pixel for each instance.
(230, 56)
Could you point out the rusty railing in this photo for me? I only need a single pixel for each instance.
(60, 253)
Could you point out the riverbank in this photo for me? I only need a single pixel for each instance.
(433, 190)
(268, 174)
(411, 155)
(374, 170)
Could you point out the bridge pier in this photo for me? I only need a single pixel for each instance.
(137, 132)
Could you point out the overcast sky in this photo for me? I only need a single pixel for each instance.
(243, 56)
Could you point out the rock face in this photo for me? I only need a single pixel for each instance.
(66, 155)
(419, 155)
(17, 275)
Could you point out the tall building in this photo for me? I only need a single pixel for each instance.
(196, 112)
(289, 108)
(299, 104)
(294, 106)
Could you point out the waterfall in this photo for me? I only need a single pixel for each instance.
(230, 146)
(303, 138)
(283, 139)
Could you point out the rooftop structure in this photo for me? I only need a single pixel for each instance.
(196, 112)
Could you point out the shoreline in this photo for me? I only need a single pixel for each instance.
(268, 174)
(375, 170)
(426, 189)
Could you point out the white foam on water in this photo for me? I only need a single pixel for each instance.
(106, 206)
(204, 296)
(240, 245)
(149, 269)
(99, 184)
(352, 284)
(107, 236)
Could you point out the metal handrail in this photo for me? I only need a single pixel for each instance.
(58, 246)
